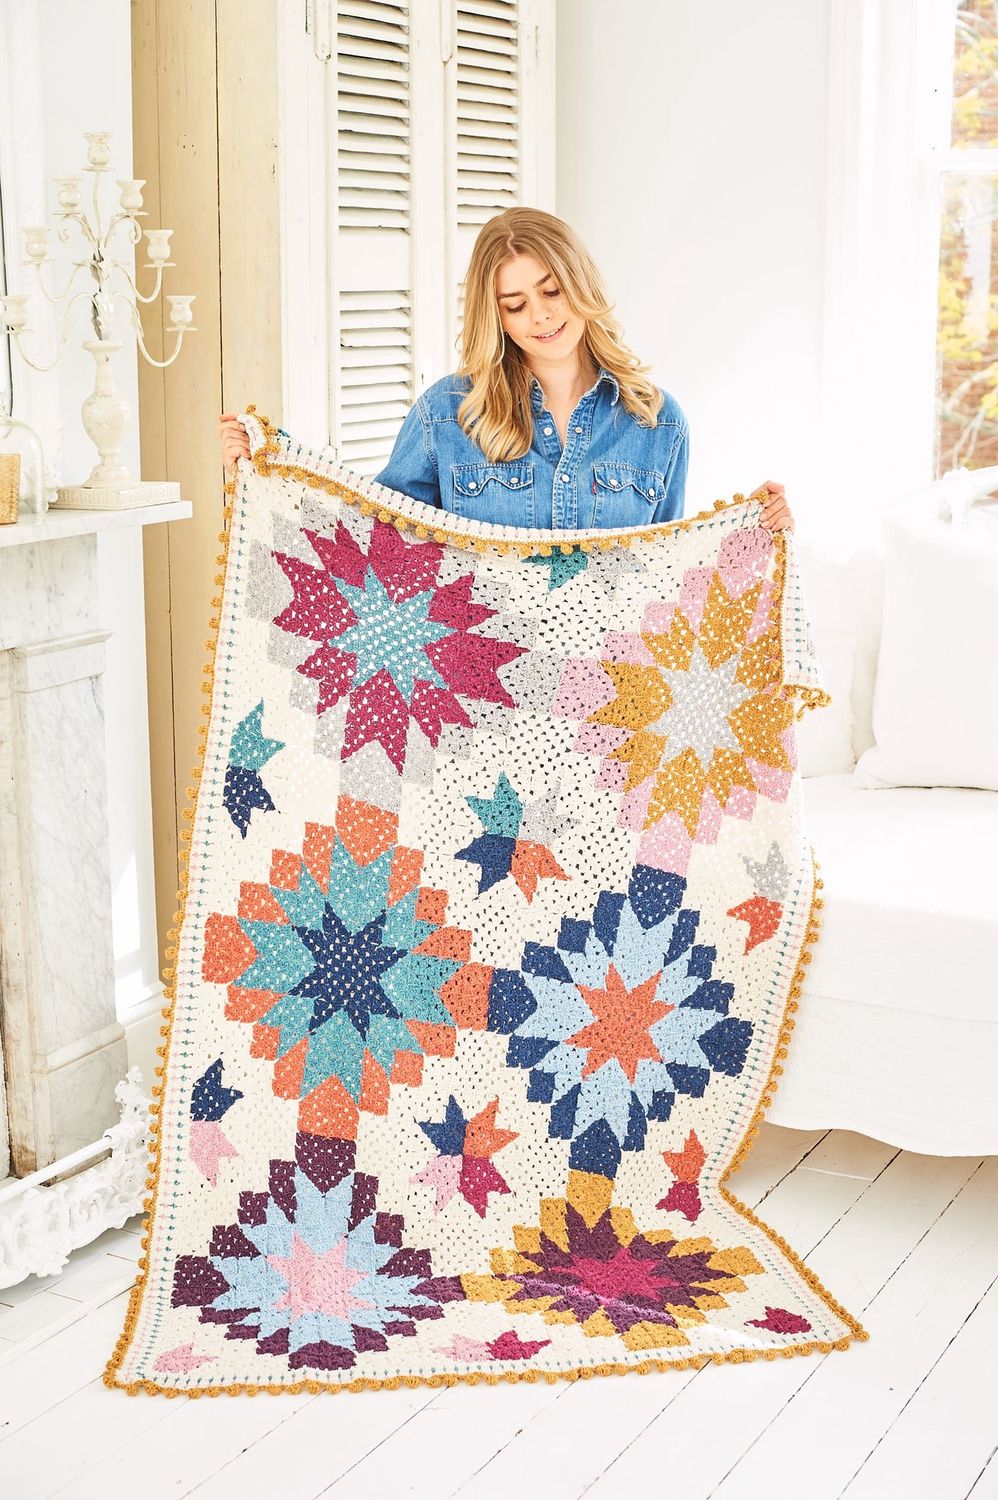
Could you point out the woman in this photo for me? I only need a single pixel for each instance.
(550, 420)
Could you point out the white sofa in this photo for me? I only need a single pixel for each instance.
(897, 1033)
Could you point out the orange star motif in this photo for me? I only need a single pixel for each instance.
(530, 863)
(483, 1137)
(762, 915)
(686, 1165)
(623, 1019)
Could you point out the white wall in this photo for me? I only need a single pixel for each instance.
(86, 63)
(691, 157)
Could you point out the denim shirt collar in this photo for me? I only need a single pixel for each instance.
(537, 393)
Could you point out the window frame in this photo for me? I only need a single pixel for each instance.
(949, 159)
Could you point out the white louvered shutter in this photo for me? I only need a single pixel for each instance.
(371, 374)
(484, 92)
(427, 114)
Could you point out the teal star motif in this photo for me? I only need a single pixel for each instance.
(502, 813)
(391, 634)
(250, 747)
(563, 566)
(249, 750)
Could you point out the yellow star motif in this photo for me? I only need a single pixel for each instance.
(702, 710)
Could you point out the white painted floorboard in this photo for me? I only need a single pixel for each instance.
(908, 1243)
(986, 1487)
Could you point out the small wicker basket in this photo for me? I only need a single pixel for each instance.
(10, 485)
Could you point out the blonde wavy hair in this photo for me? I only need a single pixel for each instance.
(496, 412)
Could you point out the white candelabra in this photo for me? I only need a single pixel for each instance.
(105, 411)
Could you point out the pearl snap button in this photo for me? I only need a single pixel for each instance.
(565, 478)
(548, 431)
(615, 483)
(652, 493)
(472, 484)
(516, 481)
(578, 429)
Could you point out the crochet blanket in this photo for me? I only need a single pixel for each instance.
(495, 915)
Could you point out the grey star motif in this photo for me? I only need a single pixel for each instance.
(702, 698)
(605, 568)
(771, 879)
(541, 823)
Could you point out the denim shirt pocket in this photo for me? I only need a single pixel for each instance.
(499, 492)
(625, 494)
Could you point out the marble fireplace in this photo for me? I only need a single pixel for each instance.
(63, 1104)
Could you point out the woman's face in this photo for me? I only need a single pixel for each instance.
(534, 313)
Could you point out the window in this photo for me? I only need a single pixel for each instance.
(967, 320)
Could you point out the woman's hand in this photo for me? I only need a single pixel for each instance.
(234, 438)
(775, 510)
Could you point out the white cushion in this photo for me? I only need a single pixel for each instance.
(842, 583)
(865, 606)
(911, 896)
(935, 702)
(824, 735)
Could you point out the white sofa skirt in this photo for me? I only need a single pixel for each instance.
(897, 1032)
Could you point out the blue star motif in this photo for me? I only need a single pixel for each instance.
(448, 1134)
(542, 1008)
(210, 1097)
(249, 750)
(347, 972)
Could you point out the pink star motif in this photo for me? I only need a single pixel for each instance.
(318, 1280)
(444, 1174)
(208, 1145)
(508, 1345)
(391, 638)
(625, 1275)
(461, 1347)
(176, 1361)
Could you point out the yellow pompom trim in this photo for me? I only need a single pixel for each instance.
(271, 446)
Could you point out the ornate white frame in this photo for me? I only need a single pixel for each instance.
(42, 1221)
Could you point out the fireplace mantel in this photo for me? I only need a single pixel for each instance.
(56, 524)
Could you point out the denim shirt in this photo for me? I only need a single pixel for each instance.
(612, 472)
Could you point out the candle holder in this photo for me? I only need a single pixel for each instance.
(105, 412)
